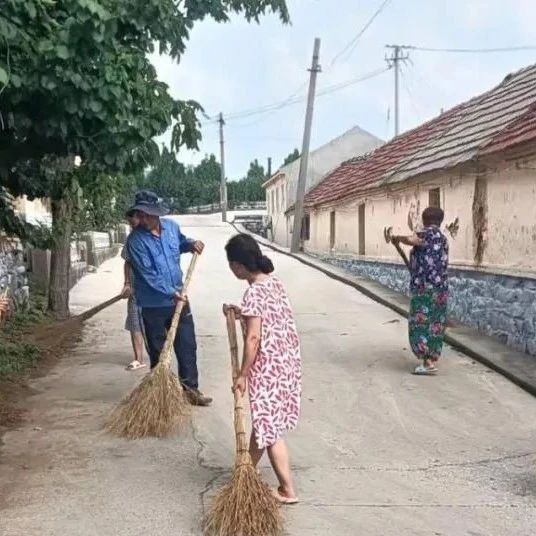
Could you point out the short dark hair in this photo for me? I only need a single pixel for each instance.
(243, 249)
(433, 216)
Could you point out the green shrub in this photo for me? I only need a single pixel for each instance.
(16, 357)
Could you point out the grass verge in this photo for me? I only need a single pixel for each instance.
(19, 355)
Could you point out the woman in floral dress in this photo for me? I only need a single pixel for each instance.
(271, 367)
(429, 290)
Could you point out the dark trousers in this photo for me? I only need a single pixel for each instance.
(157, 321)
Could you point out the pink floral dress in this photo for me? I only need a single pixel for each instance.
(275, 377)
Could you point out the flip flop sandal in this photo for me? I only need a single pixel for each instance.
(281, 499)
(135, 365)
(421, 370)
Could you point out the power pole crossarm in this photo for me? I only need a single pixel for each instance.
(302, 178)
(223, 187)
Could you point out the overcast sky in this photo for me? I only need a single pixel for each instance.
(236, 67)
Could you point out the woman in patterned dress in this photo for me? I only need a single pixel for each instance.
(429, 290)
(271, 367)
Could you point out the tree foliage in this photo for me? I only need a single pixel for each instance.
(184, 187)
(75, 81)
(249, 188)
(293, 156)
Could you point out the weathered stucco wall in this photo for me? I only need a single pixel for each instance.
(276, 203)
(511, 215)
(494, 212)
(392, 209)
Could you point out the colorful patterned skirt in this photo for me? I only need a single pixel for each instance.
(427, 323)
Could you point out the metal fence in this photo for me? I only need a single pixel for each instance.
(216, 207)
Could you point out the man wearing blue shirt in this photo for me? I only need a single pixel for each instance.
(154, 249)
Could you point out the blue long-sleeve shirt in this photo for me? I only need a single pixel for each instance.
(155, 261)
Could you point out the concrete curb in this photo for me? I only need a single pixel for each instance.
(518, 367)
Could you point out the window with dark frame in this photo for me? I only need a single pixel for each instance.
(306, 227)
(434, 197)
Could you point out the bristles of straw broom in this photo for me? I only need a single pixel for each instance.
(245, 506)
(157, 407)
(55, 333)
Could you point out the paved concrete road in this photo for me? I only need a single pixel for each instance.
(378, 451)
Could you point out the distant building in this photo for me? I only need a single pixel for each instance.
(478, 162)
(34, 212)
(281, 187)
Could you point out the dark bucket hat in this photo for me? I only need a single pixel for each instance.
(149, 203)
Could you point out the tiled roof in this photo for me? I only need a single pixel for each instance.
(493, 121)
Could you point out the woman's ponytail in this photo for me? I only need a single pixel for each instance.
(265, 265)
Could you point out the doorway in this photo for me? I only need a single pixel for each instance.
(332, 230)
(362, 229)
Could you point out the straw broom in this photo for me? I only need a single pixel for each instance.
(54, 334)
(245, 506)
(157, 406)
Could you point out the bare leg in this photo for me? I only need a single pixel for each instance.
(137, 345)
(279, 458)
(255, 452)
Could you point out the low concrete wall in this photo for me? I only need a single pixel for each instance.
(40, 263)
(123, 231)
(101, 247)
(499, 305)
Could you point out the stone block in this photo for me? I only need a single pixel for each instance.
(504, 295)
(531, 346)
(480, 304)
(528, 328)
(516, 342)
(516, 310)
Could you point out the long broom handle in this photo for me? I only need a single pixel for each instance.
(165, 354)
(242, 450)
(402, 253)
(98, 308)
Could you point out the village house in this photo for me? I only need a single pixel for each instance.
(477, 161)
(281, 187)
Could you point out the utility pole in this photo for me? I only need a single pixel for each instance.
(269, 174)
(394, 60)
(302, 178)
(223, 187)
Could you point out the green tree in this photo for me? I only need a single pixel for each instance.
(106, 201)
(75, 81)
(293, 156)
(206, 181)
(167, 178)
(184, 187)
(248, 189)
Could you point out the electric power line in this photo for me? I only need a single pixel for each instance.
(351, 45)
(471, 50)
(412, 99)
(290, 102)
